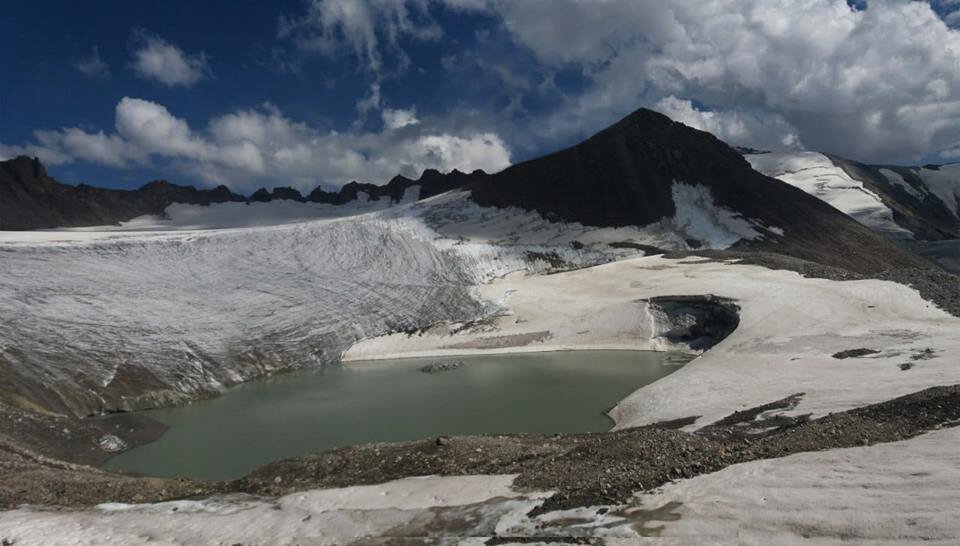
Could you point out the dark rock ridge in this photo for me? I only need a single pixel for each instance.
(31, 199)
(624, 175)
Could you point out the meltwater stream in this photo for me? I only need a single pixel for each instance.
(391, 400)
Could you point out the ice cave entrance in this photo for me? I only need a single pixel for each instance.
(392, 400)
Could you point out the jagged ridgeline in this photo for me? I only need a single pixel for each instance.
(31, 199)
(625, 175)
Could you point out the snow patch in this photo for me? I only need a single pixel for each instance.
(698, 217)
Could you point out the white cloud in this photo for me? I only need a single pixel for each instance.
(878, 83)
(395, 119)
(93, 66)
(733, 127)
(49, 156)
(249, 148)
(158, 59)
(366, 28)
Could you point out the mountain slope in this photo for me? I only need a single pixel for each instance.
(635, 172)
(114, 320)
(901, 203)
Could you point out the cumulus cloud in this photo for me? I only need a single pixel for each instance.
(395, 119)
(877, 83)
(730, 126)
(262, 146)
(157, 59)
(93, 66)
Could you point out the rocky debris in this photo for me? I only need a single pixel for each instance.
(111, 444)
(85, 441)
(906, 366)
(699, 322)
(754, 417)
(854, 353)
(436, 367)
(647, 250)
(27, 477)
(925, 354)
(608, 468)
(553, 260)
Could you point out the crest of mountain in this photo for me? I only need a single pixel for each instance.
(628, 174)
(633, 173)
(31, 199)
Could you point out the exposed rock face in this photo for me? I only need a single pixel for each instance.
(30, 199)
(699, 322)
(430, 183)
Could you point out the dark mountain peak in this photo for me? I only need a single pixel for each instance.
(286, 192)
(400, 180)
(262, 195)
(154, 185)
(643, 116)
(24, 168)
(628, 175)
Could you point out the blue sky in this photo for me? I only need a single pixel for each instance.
(307, 92)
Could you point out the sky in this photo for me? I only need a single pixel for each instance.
(321, 92)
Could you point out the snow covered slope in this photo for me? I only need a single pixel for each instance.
(901, 203)
(943, 182)
(167, 308)
(125, 319)
(817, 175)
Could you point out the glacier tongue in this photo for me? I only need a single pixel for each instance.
(136, 322)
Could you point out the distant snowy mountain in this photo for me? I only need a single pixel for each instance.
(901, 203)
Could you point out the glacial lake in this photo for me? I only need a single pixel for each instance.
(306, 412)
